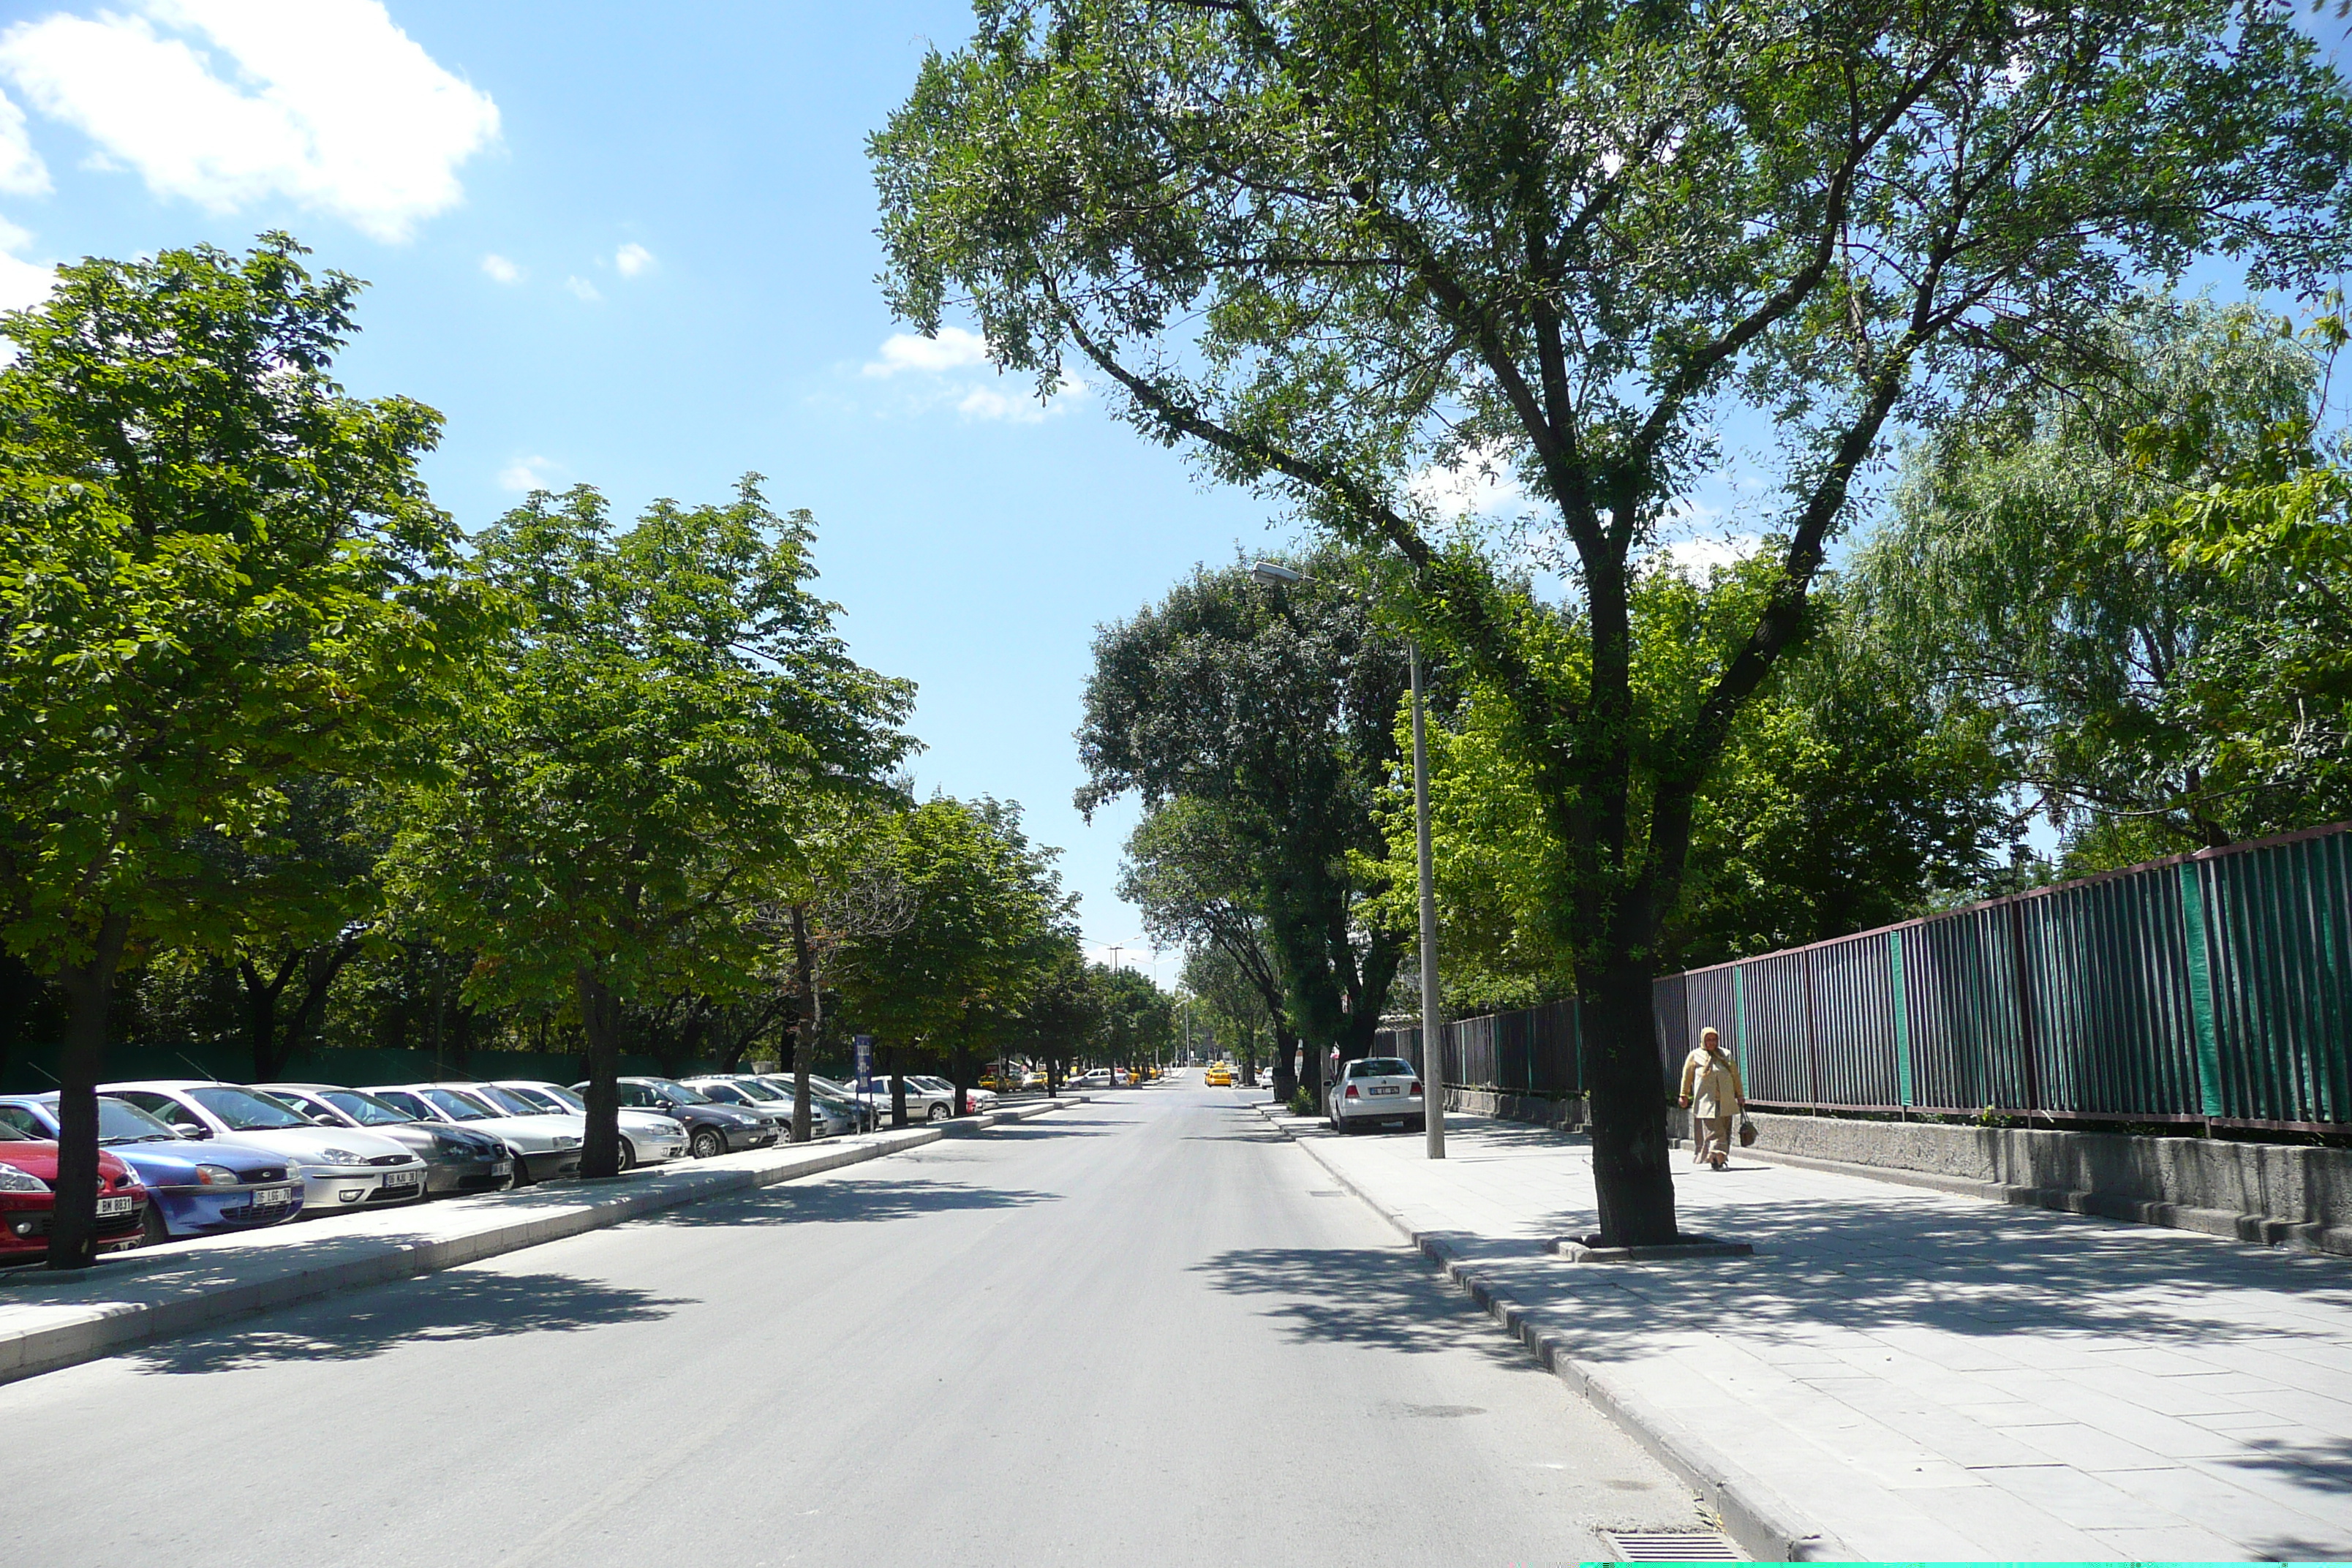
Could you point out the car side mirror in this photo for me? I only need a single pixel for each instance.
(320, 1119)
(192, 1133)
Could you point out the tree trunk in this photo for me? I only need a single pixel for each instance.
(897, 1086)
(807, 1017)
(90, 986)
(959, 1071)
(1632, 1177)
(1286, 1070)
(600, 1021)
(261, 1016)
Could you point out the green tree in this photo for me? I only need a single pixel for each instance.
(2020, 570)
(1275, 707)
(1191, 874)
(1232, 1005)
(1139, 1019)
(1329, 247)
(638, 763)
(218, 577)
(987, 916)
(1060, 1013)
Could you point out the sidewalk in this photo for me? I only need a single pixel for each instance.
(1906, 1374)
(49, 1320)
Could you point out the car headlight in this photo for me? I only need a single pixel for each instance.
(13, 1180)
(215, 1176)
(565, 1140)
(341, 1157)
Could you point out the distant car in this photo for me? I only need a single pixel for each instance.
(866, 1119)
(204, 1189)
(711, 1128)
(978, 1099)
(28, 1198)
(842, 1114)
(546, 1144)
(722, 1089)
(456, 1159)
(1093, 1077)
(1217, 1076)
(922, 1104)
(1375, 1091)
(647, 1137)
(342, 1168)
(760, 1093)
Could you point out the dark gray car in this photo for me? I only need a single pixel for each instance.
(456, 1159)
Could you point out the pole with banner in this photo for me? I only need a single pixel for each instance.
(864, 1044)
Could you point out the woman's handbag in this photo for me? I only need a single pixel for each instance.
(1747, 1133)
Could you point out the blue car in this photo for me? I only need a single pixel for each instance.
(193, 1189)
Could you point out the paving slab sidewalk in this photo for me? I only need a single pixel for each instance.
(1900, 1373)
(47, 1322)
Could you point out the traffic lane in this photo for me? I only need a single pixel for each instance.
(1131, 1328)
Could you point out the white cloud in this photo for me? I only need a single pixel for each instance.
(1479, 485)
(528, 474)
(1700, 556)
(22, 173)
(991, 402)
(501, 269)
(325, 101)
(632, 260)
(23, 284)
(953, 349)
(583, 290)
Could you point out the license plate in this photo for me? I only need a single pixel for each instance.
(502, 1167)
(108, 1206)
(272, 1197)
(1386, 1089)
(401, 1178)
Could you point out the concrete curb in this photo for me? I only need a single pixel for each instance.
(102, 1328)
(1763, 1523)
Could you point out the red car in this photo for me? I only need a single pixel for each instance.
(27, 1168)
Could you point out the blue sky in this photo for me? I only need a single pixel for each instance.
(974, 539)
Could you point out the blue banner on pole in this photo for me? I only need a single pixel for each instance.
(865, 1044)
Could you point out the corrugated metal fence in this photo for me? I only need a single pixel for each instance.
(2211, 988)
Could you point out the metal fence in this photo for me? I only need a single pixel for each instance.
(2212, 988)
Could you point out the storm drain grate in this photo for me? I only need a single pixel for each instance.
(1670, 1546)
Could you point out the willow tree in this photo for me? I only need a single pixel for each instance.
(1331, 245)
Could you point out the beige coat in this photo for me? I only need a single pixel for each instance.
(1711, 1083)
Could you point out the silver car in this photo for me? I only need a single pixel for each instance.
(545, 1144)
(1374, 1092)
(647, 1137)
(342, 1168)
(761, 1094)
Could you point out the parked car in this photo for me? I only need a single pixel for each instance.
(922, 1104)
(1372, 1092)
(825, 1121)
(711, 1128)
(841, 1113)
(456, 1159)
(647, 1137)
(28, 1198)
(546, 1146)
(342, 1167)
(721, 1090)
(979, 1099)
(848, 1095)
(191, 1191)
(1093, 1077)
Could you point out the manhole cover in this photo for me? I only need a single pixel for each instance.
(1671, 1546)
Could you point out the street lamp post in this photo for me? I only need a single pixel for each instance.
(1432, 1051)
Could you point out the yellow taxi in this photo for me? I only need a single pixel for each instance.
(1219, 1076)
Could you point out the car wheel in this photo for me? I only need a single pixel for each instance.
(940, 1114)
(152, 1229)
(707, 1143)
(628, 1155)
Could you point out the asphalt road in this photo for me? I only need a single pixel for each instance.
(1147, 1329)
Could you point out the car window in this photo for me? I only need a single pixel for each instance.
(243, 1111)
(1380, 1067)
(677, 1093)
(401, 1099)
(637, 1095)
(366, 1109)
(537, 1098)
(21, 1119)
(725, 1093)
(503, 1100)
(162, 1107)
(566, 1100)
(301, 1105)
(758, 1091)
(457, 1106)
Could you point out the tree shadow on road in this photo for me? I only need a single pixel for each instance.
(860, 1199)
(1377, 1297)
(463, 1304)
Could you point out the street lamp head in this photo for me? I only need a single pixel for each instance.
(1275, 572)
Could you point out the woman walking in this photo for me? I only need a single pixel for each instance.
(1711, 1093)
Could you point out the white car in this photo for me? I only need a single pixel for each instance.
(922, 1104)
(1094, 1078)
(1375, 1091)
(978, 1099)
(545, 1144)
(342, 1167)
(647, 1137)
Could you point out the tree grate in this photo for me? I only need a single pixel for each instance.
(1671, 1546)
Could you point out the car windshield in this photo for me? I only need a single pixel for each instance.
(366, 1108)
(243, 1111)
(119, 1121)
(759, 1090)
(512, 1103)
(1380, 1067)
(725, 1093)
(459, 1107)
(679, 1092)
(8, 1135)
(936, 1085)
(566, 1100)
(541, 1099)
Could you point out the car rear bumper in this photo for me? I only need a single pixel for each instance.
(1365, 1113)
